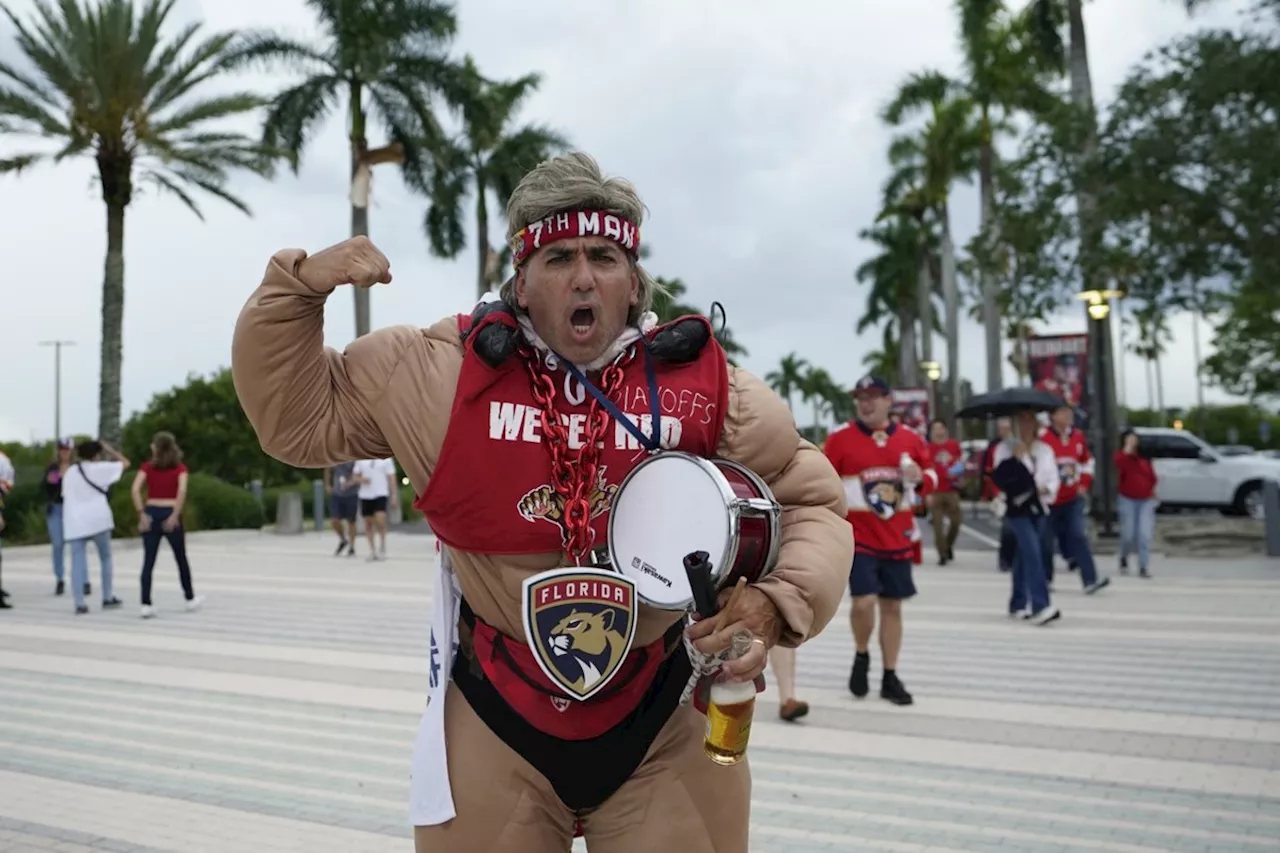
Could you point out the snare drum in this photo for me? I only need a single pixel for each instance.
(674, 503)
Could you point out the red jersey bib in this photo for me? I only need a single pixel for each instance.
(491, 491)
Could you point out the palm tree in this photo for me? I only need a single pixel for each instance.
(891, 300)
(109, 84)
(667, 306)
(818, 389)
(1001, 76)
(389, 60)
(489, 155)
(944, 151)
(788, 377)
(883, 362)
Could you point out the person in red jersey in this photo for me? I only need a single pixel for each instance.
(1066, 513)
(944, 503)
(1137, 501)
(883, 465)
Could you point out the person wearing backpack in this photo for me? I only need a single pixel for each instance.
(86, 515)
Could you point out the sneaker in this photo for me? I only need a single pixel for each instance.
(1124, 566)
(111, 602)
(792, 710)
(1100, 583)
(82, 609)
(373, 557)
(341, 547)
(193, 604)
(858, 678)
(1143, 573)
(891, 689)
(60, 588)
(1024, 613)
(351, 550)
(1045, 616)
(148, 612)
(4, 602)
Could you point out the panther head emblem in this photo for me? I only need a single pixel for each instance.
(589, 639)
(580, 623)
(883, 499)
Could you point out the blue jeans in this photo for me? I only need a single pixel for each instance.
(80, 565)
(1137, 525)
(1066, 524)
(53, 522)
(1029, 583)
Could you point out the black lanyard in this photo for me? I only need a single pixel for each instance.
(652, 442)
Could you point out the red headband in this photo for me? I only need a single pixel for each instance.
(570, 224)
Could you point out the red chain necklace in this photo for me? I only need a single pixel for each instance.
(573, 475)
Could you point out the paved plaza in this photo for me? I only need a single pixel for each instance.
(280, 716)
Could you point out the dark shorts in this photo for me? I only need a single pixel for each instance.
(373, 506)
(344, 507)
(871, 575)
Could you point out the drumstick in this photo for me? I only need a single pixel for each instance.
(733, 599)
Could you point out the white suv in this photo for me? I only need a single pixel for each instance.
(1193, 475)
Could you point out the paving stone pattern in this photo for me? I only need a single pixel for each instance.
(280, 717)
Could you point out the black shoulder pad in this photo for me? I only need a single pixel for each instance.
(496, 341)
(682, 341)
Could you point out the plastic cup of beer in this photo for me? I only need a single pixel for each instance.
(730, 708)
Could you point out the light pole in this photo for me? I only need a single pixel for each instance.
(57, 384)
(1102, 427)
(933, 371)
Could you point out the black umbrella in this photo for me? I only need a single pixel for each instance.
(1008, 401)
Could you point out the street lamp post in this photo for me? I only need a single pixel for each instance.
(1102, 427)
(57, 384)
(933, 372)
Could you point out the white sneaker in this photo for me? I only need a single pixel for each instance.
(373, 557)
(194, 604)
(148, 612)
(1045, 616)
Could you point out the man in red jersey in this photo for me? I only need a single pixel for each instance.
(882, 465)
(944, 503)
(1066, 514)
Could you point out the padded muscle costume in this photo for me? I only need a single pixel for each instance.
(390, 394)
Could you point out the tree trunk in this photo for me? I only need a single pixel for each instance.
(112, 327)
(1195, 347)
(952, 300)
(990, 288)
(359, 201)
(482, 238)
(1151, 387)
(1159, 388)
(908, 362)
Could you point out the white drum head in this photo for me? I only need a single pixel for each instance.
(667, 508)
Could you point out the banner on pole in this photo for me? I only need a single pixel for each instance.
(1059, 364)
(912, 406)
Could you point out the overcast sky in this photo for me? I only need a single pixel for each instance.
(749, 128)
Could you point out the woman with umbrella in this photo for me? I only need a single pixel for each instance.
(1026, 472)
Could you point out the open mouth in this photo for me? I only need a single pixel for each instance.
(582, 320)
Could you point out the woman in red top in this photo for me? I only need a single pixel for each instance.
(160, 516)
(1136, 480)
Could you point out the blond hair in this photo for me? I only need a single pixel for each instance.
(574, 181)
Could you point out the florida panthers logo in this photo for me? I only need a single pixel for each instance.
(1068, 472)
(883, 490)
(580, 624)
(544, 503)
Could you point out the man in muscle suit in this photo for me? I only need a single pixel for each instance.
(515, 425)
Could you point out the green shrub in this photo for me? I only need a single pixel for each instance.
(211, 505)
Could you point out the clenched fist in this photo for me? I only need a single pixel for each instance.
(356, 261)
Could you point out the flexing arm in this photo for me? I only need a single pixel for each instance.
(817, 545)
(312, 406)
